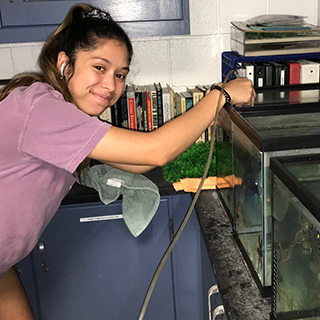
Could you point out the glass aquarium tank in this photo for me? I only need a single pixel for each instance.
(296, 238)
(268, 98)
(257, 136)
(223, 156)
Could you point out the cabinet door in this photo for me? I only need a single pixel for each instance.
(192, 268)
(25, 270)
(138, 17)
(98, 270)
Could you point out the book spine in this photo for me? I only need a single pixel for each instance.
(154, 109)
(276, 74)
(268, 74)
(294, 73)
(131, 109)
(107, 115)
(259, 75)
(166, 105)
(309, 72)
(144, 94)
(285, 74)
(241, 70)
(159, 105)
(189, 103)
(124, 110)
(178, 104)
(183, 104)
(115, 115)
(197, 96)
(139, 109)
(293, 78)
(249, 71)
(149, 111)
(172, 102)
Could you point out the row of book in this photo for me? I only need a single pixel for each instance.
(274, 73)
(148, 107)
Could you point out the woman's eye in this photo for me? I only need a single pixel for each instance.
(121, 76)
(99, 68)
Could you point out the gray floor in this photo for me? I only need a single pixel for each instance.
(242, 298)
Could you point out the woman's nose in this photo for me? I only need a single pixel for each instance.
(109, 82)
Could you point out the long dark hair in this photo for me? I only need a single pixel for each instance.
(82, 29)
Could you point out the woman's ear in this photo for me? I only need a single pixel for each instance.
(62, 62)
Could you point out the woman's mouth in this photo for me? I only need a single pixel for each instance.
(105, 99)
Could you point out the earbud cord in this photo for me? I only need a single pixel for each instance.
(188, 214)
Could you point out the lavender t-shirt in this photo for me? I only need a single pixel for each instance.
(43, 140)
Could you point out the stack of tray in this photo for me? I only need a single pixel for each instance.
(249, 42)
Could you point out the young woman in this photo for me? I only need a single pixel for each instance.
(49, 125)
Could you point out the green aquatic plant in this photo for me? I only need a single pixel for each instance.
(192, 163)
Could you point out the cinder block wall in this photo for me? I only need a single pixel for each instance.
(179, 60)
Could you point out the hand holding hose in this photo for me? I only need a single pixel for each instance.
(241, 92)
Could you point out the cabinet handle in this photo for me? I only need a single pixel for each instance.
(171, 228)
(45, 269)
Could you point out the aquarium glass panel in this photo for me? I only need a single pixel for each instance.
(308, 174)
(296, 243)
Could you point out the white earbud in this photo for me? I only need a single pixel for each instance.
(62, 69)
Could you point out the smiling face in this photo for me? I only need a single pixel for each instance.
(99, 76)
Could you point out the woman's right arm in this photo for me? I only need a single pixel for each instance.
(126, 148)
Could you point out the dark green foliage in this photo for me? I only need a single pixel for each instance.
(192, 163)
(224, 156)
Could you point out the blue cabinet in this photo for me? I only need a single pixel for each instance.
(89, 266)
(34, 20)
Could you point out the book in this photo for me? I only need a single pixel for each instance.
(249, 71)
(294, 72)
(117, 115)
(142, 117)
(167, 116)
(259, 74)
(207, 132)
(172, 101)
(148, 100)
(188, 100)
(309, 71)
(268, 74)
(241, 70)
(196, 94)
(159, 103)
(106, 115)
(131, 107)
(280, 73)
(154, 106)
(122, 106)
(115, 110)
(293, 78)
(180, 104)
(202, 88)
(139, 108)
(259, 79)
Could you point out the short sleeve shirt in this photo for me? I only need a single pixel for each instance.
(43, 140)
